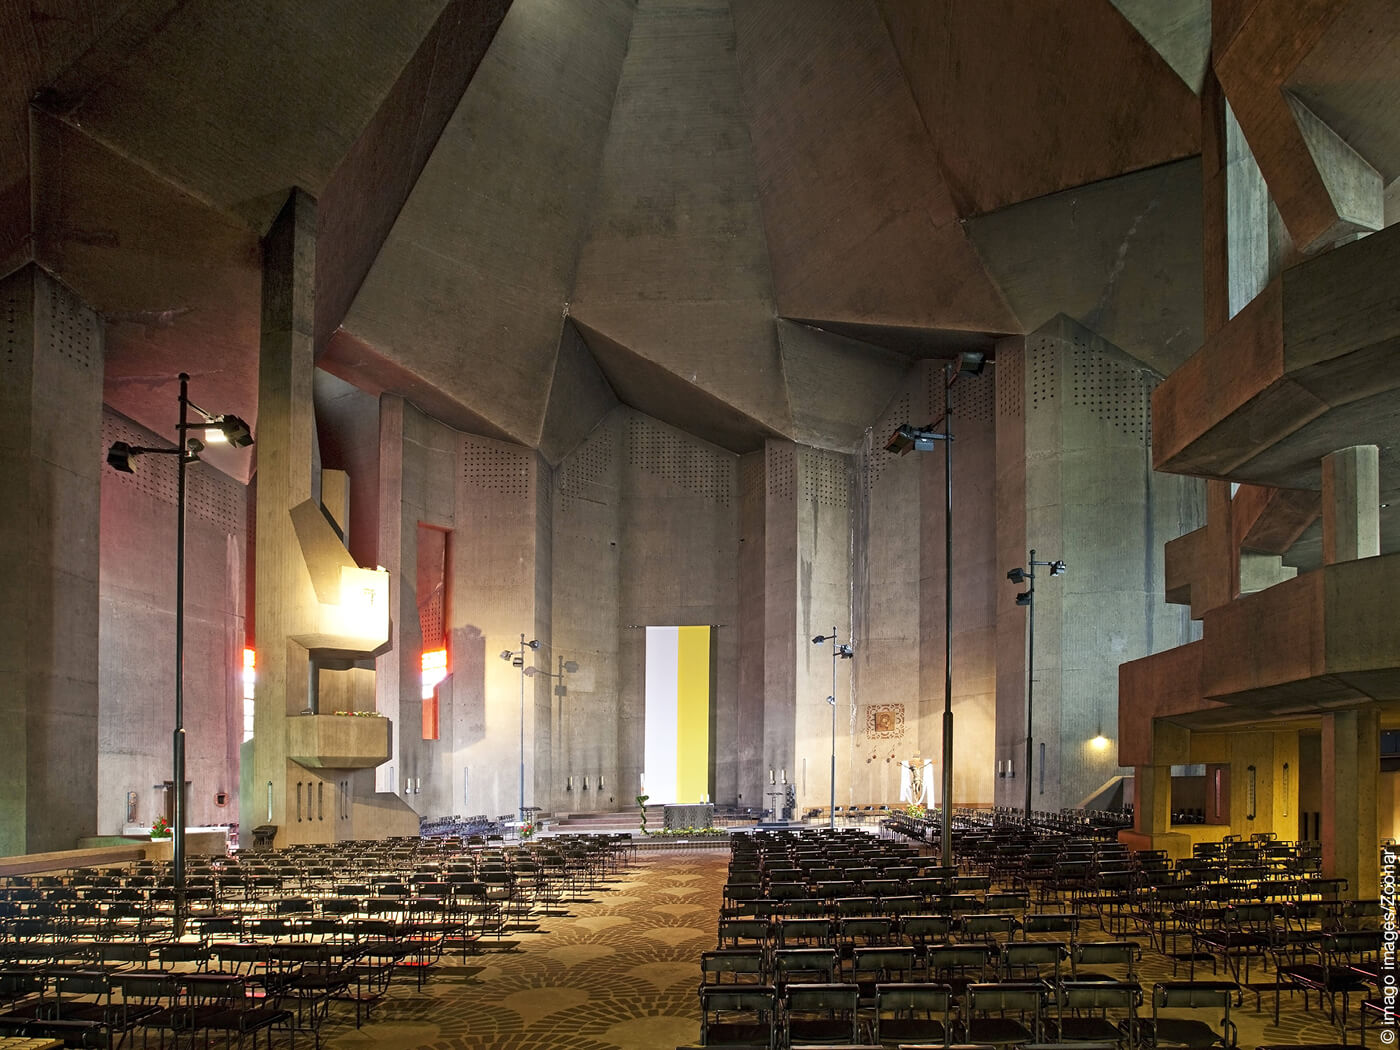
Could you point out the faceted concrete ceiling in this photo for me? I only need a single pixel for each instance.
(748, 218)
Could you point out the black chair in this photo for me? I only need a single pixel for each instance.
(1003, 1015)
(1097, 1011)
(1192, 1032)
(738, 1016)
(820, 1014)
(912, 1013)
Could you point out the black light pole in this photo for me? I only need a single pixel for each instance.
(838, 652)
(1027, 598)
(517, 658)
(907, 439)
(236, 432)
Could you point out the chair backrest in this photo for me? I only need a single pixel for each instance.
(1105, 953)
(732, 961)
(1023, 997)
(808, 962)
(1024, 955)
(916, 997)
(1192, 995)
(887, 961)
(1098, 995)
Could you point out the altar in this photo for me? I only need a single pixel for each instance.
(695, 815)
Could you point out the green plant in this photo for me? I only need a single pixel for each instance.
(642, 802)
(160, 829)
(916, 810)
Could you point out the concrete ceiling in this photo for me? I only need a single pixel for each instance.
(744, 217)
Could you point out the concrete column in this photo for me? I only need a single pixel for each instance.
(1351, 501)
(1152, 806)
(286, 434)
(780, 572)
(1089, 486)
(1350, 769)
(50, 440)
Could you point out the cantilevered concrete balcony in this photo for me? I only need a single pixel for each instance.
(1321, 642)
(1311, 365)
(338, 741)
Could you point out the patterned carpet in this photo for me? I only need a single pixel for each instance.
(616, 974)
(620, 973)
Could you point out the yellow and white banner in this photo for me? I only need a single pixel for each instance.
(677, 734)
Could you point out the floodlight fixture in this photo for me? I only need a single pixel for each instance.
(1057, 568)
(506, 654)
(971, 362)
(1024, 598)
(1017, 575)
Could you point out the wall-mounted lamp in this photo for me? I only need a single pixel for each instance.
(569, 784)
(1099, 742)
(585, 782)
(600, 781)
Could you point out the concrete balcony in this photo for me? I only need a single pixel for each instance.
(338, 741)
(1309, 366)
(1321, 642)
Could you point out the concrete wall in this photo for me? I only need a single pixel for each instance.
(136, 638)
(680, 534)
(1091, 499)
(901, 557)
(50, 417)
(587, 553)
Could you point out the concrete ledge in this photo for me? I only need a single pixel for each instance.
(62, 860)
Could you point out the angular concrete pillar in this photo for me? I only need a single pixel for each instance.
(1089, 486)
(1350, 769)
(780, 575)
(50, 439)
(284, 599)
(1351, 501)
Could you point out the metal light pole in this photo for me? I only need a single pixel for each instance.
(906, 439)
(236, 432)
(1027, 598)
(838, 652)
(517, 657)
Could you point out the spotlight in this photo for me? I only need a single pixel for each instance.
(533, 643)
(119, 457)
(845, 652)
(1024, 598)
(1057, 568)
(571, 666)
(971, 362)
(506, 654)
(821, 638)
(901, 441)
(530, 672)
(231, 429)
(1016, 575)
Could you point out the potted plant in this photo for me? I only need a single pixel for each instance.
(161, 829)
(642, 802)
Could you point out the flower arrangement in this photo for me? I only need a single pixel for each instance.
(160, 829)
(527, 830)
(916, 810)
(642, 802)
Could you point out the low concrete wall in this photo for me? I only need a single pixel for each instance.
(62, 860)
